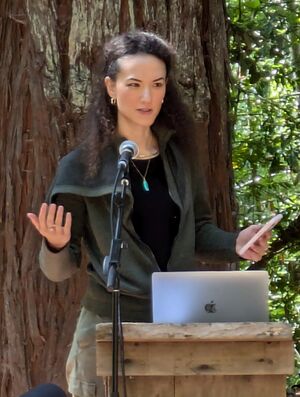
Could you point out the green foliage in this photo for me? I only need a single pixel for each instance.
(265, 104)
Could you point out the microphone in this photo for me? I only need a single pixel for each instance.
(128, 150)
(45, 390)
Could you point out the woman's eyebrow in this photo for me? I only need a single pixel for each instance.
(133, 78)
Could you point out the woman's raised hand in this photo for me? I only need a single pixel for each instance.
(49, 223)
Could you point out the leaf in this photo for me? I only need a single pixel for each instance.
(253, 4)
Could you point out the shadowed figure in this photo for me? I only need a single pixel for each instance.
(46, 390)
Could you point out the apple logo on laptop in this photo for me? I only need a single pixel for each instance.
(210, 307)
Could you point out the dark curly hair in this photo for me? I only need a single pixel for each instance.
(100, 121)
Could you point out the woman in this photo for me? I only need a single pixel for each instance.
(167, 221)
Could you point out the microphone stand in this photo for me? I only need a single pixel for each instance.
(111, 265)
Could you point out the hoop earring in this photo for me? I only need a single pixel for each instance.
(113, 101)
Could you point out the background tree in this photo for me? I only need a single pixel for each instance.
(265, 98)
(48, 50)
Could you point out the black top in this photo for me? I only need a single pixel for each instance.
(155, 215)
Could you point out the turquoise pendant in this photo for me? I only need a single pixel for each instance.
(146, 186)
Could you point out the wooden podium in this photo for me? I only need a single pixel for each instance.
(200, 360)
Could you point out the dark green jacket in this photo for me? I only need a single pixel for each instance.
(89, 202)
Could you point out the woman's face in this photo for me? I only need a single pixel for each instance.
(139, 89)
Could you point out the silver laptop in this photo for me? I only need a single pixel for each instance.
(211, 296)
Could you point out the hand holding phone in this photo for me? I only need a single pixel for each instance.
(265, 228)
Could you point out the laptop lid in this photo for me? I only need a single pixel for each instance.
(210, 296)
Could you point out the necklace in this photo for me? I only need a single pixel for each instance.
(145, 183)
(147, 156)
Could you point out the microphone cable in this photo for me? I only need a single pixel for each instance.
(112, 202)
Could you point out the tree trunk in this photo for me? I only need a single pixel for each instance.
(47, 52)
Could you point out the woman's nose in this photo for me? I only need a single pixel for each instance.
(146, 95)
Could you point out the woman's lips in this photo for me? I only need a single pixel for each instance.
(145, 110)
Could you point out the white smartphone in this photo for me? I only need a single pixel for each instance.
(265, 228)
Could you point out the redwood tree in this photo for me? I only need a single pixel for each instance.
(47, 54)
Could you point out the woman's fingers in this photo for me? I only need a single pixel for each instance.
(43, 217)
(34, 220)
(51, 225)
(50, 221)
(252, 256)
(59, 216)
(50, 217)
(259, 248)
(68, 223)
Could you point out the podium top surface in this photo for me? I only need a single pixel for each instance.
(149, 332)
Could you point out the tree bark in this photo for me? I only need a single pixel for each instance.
(47, 54)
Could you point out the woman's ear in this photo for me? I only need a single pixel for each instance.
(110, 86)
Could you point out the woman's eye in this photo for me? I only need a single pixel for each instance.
(159, 84)
(133, 85)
